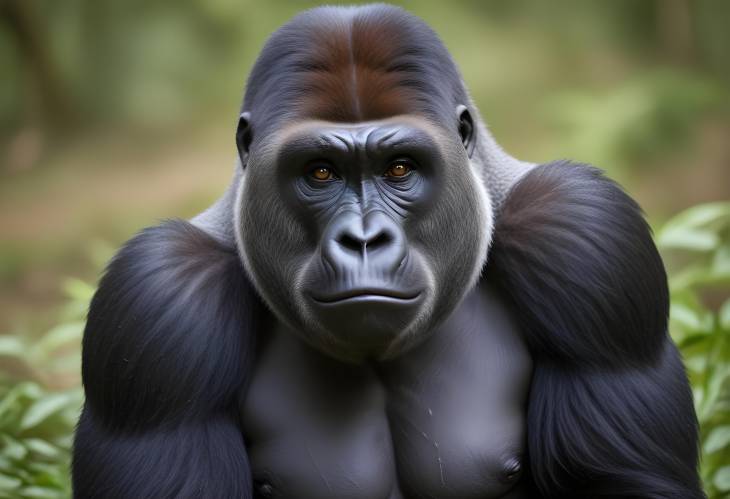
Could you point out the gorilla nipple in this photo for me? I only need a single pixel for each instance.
(511, 470)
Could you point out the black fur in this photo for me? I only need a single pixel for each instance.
(165, 355)
(610, 410)
(574, 252)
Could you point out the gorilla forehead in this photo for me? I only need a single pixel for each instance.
(353, 64)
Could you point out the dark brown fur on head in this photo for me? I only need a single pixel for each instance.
(352, 78)
(355, 64)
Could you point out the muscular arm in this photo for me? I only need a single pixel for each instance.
(610, 410)
(165, 354)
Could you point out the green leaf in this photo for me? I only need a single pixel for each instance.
(42, 409)
(718, 439)
(12, 449)
(9, 483)
(721, 479)
(41, 447)
(695, 229)
(11, 346)
(46, 471)
(690, 319)
(687, 239)
(688, 277)
(40, 493)
(701, 215)
(26, 390)
(65, 441)
(714, 391)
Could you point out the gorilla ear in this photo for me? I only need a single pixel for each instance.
(243, 136)
(466, 128)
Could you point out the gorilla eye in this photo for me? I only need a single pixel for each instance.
(322, 173)
(399, 168)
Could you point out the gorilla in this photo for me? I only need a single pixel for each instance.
(384, 304)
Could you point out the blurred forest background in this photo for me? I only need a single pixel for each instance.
(116, 114)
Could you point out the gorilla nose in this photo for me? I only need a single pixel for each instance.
(360, 242)
(375, 239)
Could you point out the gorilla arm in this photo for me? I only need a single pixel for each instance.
(610, 409)
(165, 355)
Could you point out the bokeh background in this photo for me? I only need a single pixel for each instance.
(116, 114)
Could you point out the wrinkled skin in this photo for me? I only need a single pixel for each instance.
(369, 262)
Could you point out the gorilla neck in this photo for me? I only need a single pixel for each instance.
(445, 420)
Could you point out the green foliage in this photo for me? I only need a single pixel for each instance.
(36, 424)
(696, 244)
(35, 440)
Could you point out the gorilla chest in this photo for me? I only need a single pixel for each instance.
(447, 420)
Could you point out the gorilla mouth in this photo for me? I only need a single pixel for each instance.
(367, 294)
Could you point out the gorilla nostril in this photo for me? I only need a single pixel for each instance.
(381, 239)
(350, 242)
(356, 244)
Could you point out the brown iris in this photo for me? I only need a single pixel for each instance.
(322, 173)
(398, 169)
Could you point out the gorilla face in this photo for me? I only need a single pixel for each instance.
(362, 237)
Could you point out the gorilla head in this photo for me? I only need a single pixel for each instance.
(361, 169)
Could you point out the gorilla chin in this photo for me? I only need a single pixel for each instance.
(367, 321)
